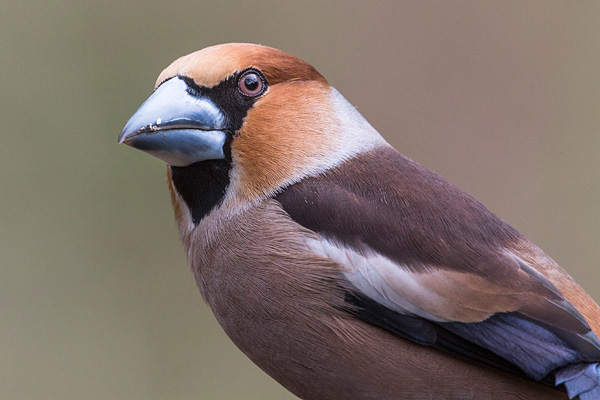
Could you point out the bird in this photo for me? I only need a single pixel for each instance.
(341, 267)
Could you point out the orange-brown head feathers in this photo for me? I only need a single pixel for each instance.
(230, 146)
(209, 66)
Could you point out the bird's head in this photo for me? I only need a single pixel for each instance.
(237, 123)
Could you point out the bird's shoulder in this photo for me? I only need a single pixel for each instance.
(399, 208)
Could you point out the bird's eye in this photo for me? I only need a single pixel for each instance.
(251, 84)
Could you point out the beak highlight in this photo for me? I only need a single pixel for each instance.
(176, 126)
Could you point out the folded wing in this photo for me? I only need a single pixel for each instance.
(428, 262)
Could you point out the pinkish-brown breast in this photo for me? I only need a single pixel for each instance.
(280, 305)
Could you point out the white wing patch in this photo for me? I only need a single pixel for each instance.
(434, 293)
(381, 279)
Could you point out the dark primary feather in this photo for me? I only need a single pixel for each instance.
(383, 202)
(428, 333)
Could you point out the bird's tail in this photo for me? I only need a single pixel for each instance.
(581, 380)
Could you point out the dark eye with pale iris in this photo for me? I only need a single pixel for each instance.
(251, 84)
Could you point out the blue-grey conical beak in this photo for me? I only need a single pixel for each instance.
(177, 127)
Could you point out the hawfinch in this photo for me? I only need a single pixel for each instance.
(339, 266)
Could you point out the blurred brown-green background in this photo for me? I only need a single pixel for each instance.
(96, 300)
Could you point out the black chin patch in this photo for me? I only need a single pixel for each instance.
(202, 185)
